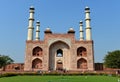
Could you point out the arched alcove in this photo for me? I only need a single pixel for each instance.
(81, 51)
(37, 64)
(37, 51)
(82, 63)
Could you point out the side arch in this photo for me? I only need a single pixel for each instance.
(82, 63)
(37, 51)
(37, 63)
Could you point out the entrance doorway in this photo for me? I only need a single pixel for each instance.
(59, 65)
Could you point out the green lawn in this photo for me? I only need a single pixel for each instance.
(59, 79)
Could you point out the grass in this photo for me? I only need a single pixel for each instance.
(59, 79)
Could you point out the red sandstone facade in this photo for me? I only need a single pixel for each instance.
(59, 51)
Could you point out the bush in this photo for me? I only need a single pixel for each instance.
(8, 74)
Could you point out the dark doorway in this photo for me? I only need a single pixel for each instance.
(59, 65)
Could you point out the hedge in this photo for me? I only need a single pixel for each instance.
(51, 74)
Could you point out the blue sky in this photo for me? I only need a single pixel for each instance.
(59, 15)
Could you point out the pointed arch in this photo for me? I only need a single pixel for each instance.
(82, 64)
(37, 51)
(82, 51)
(59, 53)
(37, 63)
(58, 47)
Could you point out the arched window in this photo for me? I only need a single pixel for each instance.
(37, 64)
(59, 53)
(81, 51)
(37, 51)
(82, 64)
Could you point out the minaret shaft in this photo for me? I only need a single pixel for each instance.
(30, 26)
(37, 31)
(81, 31)
(88, 27)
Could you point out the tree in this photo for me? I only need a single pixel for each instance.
(112, 59)
(5, 60)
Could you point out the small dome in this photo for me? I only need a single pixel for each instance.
(71, 29)
(87, 8)
(48, 29)
(81, 22)
(31, 6)
(38, 21)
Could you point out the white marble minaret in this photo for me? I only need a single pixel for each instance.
(30, 26)
(37, 31)
(81, 31)
(88, 27)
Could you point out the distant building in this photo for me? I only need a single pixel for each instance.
(14, 67)
(59, 51)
